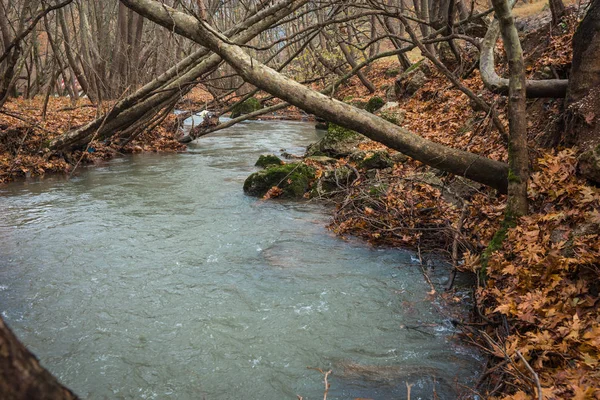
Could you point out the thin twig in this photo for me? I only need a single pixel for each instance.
(535, 375)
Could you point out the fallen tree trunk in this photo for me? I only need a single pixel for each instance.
(176, 81)
(480, 169)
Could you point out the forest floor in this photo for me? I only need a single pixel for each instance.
(536, 302)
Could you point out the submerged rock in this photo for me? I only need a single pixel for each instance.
(293, 179)
(268, 159)
(247, 107)
(338, 142)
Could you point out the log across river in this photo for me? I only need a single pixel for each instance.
(154, 276)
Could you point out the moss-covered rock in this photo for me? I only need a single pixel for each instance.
(338, 142)
(589, 164)
(392, 72)
(268, 159)
(322, 160)
(411, 80)
(334, 181)
(377, 160)
(248, 106)
(374, 104)
(294, 179)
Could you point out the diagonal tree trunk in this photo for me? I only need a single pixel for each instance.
(472, 166)
(21, 375)
(173, 83)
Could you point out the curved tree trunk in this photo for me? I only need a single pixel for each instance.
(21, 375)
(556, 88)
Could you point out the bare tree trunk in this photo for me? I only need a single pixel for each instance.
(537, 88)
(472, 166)
(21, 375)
(582, 115)
(518, 155)
(557, 8)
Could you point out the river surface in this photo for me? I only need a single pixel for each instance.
(154, 276)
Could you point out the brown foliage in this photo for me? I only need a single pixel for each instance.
(24, 135)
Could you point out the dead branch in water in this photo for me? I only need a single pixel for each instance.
(327, 385)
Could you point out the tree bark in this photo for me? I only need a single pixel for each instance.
(582, 114)
(472, 166)
(178, 79)
(518, 155)
(21, 375)
(555, 88)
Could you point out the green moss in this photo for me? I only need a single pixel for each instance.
(248, 106)
(294, 179)
(392, 72)
(512, 177)
(378, 190)
(413, 67)
(390, 117)
(337, 142)
(338, 133)
(496, 244)
(377, 160)
(374, 104)
(268, 159)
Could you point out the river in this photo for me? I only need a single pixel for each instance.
(155, 277)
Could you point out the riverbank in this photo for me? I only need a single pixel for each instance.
(537, 295)
(24, 134)
(535, 310)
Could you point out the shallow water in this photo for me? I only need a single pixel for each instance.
(155, 277)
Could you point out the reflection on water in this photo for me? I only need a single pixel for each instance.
(155, 277)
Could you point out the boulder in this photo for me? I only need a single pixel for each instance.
(268, 159)
(334, 180)
(377, 160)
(337, 143)
(293, 179)
(247, 107)
(392, 112)
(411, 80)
(374, 104)
(322, 160)
(589, 164)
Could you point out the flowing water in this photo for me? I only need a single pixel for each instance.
(153, 276)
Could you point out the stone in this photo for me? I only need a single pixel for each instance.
(399, 158)
(293, 178)
(334, 180)
(411, 80)
(247, 107)
(338, 142)
(377, 160)
(268, 159)
(589, 164)
(392, 112)
(322, 160)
